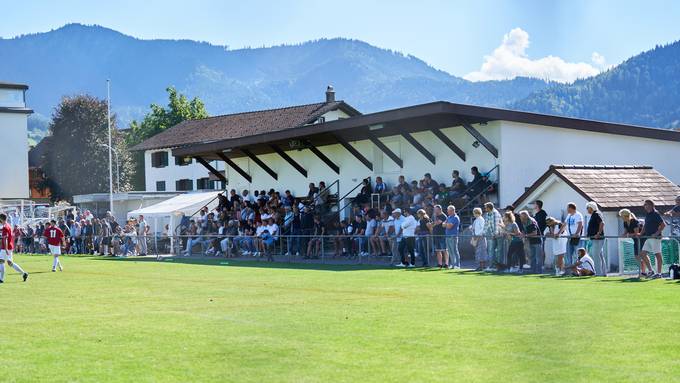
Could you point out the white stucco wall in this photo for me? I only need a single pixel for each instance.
(352, 171)
(172, 172)
(14, 170)
(528, 150)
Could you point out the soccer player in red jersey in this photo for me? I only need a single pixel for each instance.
(55, 240)
(6, 249)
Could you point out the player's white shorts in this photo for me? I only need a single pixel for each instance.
(6, 255)
(55, 249)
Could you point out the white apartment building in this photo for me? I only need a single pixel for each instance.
(14, 139)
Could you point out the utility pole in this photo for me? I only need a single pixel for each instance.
(108, 122)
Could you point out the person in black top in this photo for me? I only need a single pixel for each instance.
(312, 192)
(438, 227)
(595, 231)
(314, 246)
(540, 215)
(457, 185)
(293, 243)
(423, 238)
(307, 226)
(533, 237)
(364, 195)
(234, 198)
(651, 233)
(631, 229)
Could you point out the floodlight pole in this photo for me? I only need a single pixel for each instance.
(115, 152)
(108, 123)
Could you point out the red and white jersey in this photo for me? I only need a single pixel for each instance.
(7, 242)
(54, 235)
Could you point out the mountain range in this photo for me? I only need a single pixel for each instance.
(79, 58)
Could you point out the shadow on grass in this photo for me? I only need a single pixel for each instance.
(252, 263)
(249, 263)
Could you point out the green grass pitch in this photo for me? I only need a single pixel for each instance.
(131, 320)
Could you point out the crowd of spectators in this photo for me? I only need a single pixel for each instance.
(85, 234)
(254, 225)
(403, 222)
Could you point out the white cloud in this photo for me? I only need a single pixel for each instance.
(510, 60)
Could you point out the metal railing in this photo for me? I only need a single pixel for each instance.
(485, 189)
(499, 253)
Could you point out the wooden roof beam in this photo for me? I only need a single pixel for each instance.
(233, 165)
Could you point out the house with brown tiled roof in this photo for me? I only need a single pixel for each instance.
(612, 187)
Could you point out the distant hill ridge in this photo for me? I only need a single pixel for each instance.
(77, 58)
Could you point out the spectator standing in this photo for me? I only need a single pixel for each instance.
(492, 229)
(651, 237)
(407, 244)
(307, 226)
(573, 226)
(556, 243)
(540, 215)
(674, 215)
(440, 237)
(631, 229)
(396, 230)
(143, 233)
(533, 237)
(371, 229)
(515, 254)
(478, 240)
(595, 232)
(423, 239)
(452, 229)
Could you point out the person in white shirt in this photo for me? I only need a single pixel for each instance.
(585, 266)
(573, 226)
(408, 242)
(371, 229)
(395, 230)
(478, 240)
(143, 232)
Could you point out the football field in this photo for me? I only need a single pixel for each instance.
(139, 320)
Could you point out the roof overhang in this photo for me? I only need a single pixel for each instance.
(410, 119)
(4, 109)
(381, 124)
(553, 176)
(9, 85)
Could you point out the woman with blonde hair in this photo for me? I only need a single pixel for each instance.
(478, 240)
(557, 244)
(631, 229)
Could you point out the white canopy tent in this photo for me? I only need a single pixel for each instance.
(173, 209)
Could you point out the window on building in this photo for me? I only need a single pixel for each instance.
(184, 185)
(205, 184)
(183, 161)
(159, 159)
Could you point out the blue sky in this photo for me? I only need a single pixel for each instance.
(553, 39)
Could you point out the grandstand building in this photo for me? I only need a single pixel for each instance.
(290, 147)
(14, 138)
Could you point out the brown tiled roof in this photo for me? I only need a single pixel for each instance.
(240, 124)
(613, 187)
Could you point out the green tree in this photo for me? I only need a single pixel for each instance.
(76, 162)
(179, 109)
